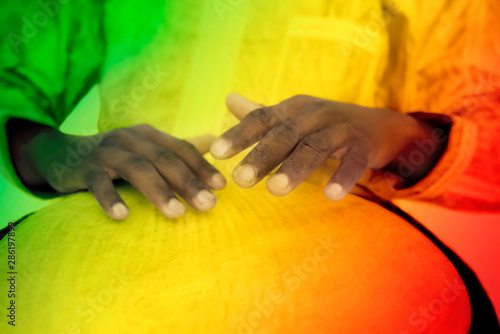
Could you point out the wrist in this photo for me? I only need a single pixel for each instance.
(427, 142)
(25, 151)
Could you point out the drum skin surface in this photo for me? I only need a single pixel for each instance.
(254, 264)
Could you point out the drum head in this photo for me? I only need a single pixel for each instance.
(254, 264)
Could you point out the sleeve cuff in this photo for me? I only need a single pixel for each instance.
(455, 159)
(28, 111)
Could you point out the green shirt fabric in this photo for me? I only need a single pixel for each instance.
(53, 51)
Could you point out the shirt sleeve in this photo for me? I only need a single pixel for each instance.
(50, 56)
(466, 176)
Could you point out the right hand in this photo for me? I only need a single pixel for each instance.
(157, 164)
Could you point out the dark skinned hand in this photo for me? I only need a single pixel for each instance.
(302, 132)
(157, 164)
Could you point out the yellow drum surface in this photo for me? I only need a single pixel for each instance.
(254, 264)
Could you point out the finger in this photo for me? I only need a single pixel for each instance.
(183, 180)
(276, 146)
(185, 150)
(352, 166)
(240, 106)
(192, 158)
(255, 124)
(250, 130)
(180, 177)
(99, 183)
(202, 143)
(311, 152)
(142, 174)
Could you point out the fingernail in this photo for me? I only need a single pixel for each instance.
(204, 197)
(246, 173)
(120, 211)
(219, 147)
(174, 209)
(278, 184)
(280, 180)
(175, 205)
(335, 191)
(218, 181)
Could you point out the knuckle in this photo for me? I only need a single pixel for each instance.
(94, 176)
(138, 162)
(140, 130)
(105, 155)
(286, 132)
(264, 155)
(296, 167)
(186, 147)
(261, 115)
(339, 120)
(316, 144)
(191, 182)
(109, 141)
(164, 158)
(163, 191)
(124, 135)
(299, 98)
(281, 112)
(112, 139)
(323, 108)
(205, 165)
(299, 169)
(358, 157)
(145, 127)
(297, 102)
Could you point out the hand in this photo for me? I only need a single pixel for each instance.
(157, 164)
(303, 131)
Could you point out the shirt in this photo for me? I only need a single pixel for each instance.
(172, 67)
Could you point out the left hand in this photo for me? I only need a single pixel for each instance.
(302, 132)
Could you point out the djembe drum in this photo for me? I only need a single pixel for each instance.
(254, 264)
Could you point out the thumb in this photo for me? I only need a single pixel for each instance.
(202, 143)
(240, 106)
